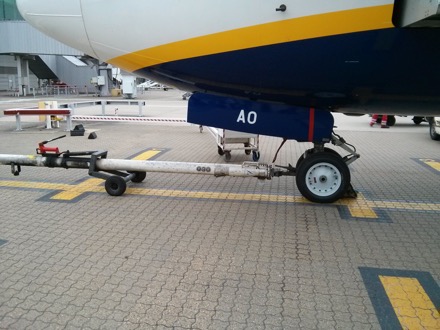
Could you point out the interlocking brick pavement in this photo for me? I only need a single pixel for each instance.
(144, 261)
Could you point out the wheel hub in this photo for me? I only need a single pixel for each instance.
(323, 179)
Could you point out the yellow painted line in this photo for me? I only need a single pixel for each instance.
(302, 28)
(94, 184)
(411, 304)
(147, 154)
(361, 207)
(34, 185)
(217, 195)
(432, 163)
(77, 190)
(358, 208)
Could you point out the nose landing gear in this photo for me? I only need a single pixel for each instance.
(322, 174)
(323, 177)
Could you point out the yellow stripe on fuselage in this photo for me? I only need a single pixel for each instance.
(322, 25)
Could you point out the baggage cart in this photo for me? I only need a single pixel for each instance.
(228, 140)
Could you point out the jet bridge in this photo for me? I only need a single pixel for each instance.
(420, 13)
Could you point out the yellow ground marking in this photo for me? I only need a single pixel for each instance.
(433, 163)
(302, 28)
(358, 208)
(361, 207)
(94, 184)
(35, 185)
(147, 155)
(411, 304)
(216, 195)
(90, 185)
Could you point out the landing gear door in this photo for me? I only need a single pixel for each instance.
(302, 124)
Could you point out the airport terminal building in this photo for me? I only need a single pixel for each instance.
(31, 62)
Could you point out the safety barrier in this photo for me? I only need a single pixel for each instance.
(127, 119)
(104, 104)
(40, 112)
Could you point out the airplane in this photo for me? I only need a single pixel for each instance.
(270, 67)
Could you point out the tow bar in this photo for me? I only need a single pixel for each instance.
(322, 175)
(117, 172)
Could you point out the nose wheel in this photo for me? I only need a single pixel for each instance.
(323, 177)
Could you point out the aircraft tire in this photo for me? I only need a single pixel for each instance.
(255, 156)
(323, 177)
(220, 151)
(115, 185)
(432, 133)
(138, 177)
(391, 121)
(301, 158)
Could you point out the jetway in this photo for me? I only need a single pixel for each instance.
(421, 13)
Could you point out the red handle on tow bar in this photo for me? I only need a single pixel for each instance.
(42, 149)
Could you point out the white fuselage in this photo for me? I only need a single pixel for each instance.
(109, 29)
(328, 54)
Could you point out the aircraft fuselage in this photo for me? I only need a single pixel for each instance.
(341, 55)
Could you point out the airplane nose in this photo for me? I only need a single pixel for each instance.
(62, 20)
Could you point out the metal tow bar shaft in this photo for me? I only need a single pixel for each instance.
(120, 171)
(247, 169)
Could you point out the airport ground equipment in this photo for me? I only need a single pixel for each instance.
(434, 128)
(105, 104)
(40, 112)
(107, 107)
(228, 140)
(43, 150)
(322, 175)
(129, 89)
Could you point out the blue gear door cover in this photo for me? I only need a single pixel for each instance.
(273, 119)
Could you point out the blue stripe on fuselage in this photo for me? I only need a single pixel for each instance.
(321, 72)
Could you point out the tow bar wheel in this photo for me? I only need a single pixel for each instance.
(323, 177)
(115, 185)
(138, 176)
